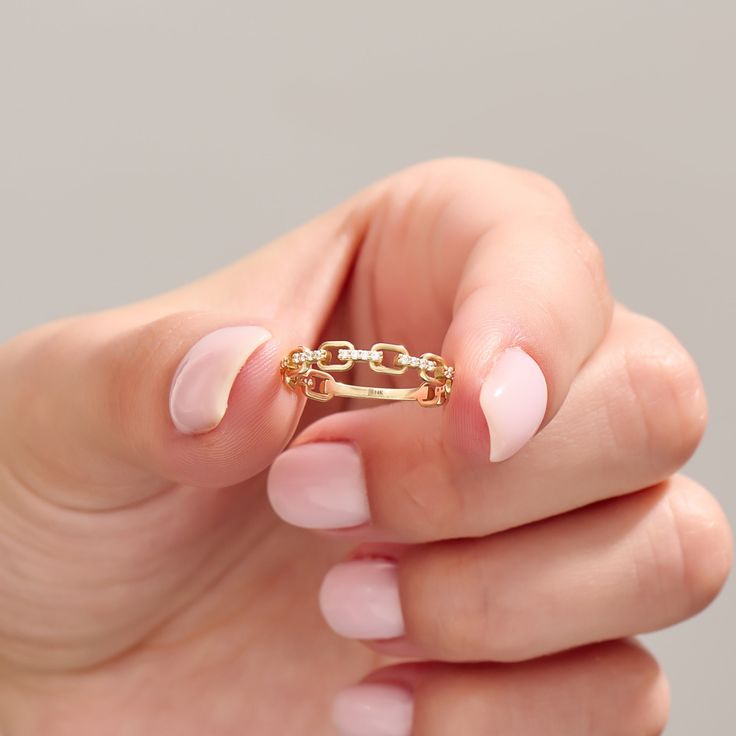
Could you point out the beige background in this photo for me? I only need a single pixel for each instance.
(145, 143)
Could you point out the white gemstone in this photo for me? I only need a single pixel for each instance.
(422, 362)
(354, 354)
(375, 355)
(414, 362)
(431, 365)
(403, 359)
(363, 354)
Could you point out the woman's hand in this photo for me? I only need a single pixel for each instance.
(147, 586)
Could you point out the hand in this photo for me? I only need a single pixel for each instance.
(147, 586)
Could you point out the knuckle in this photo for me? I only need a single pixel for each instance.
(647, 693)
(466, 171)
(655, 713)
(571, 249)
(545, 186)
(654, 707)
(588, 251)
(670, 406)
(703, 540)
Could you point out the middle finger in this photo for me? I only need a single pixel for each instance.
(608, 571)
(635, 412)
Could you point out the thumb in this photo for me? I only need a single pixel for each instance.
(107, 409)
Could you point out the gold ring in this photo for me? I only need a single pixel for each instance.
(299, 373)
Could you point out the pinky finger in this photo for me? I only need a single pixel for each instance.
(611, 689)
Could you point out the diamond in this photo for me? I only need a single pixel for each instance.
(354, 354)
(414, 362)
(403, 359)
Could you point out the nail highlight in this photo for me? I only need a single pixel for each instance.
(360, 600)
(513, 398)
(320, 485)
(373, 709)
(201, 385)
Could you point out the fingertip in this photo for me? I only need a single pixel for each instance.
(374, 709)
(199, 398)
(513, 398)
(319, 485)
(201, 386)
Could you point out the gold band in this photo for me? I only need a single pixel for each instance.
(299, 373)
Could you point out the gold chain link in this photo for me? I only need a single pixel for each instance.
(340, 355)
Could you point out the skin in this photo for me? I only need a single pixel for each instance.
(147, 586)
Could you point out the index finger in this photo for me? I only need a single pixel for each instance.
(529, 306)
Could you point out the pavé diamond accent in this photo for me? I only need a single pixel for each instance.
(374, 356)
(345, 354)
(429, 365)
(309, 356)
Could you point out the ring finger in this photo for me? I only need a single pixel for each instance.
(614, 689)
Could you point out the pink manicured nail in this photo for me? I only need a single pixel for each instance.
(319, 485)
(360, 600)
(202, 382)
(373, 709)
(514, 400)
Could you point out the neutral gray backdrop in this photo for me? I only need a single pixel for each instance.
(143, 144)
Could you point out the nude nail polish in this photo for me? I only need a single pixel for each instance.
(304, 494)
(201, 386)
(359, 599)
(373, 709)
(513, 398)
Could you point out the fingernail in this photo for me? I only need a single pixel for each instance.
(373, 710)
(320, 485)
(360, 600)
(514, 400)
(202, 382)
